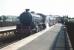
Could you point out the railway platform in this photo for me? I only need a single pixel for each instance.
(52, 38)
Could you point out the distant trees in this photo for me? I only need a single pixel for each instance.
(0, 18)
(65, 19)
(4, 18)
(7, 20)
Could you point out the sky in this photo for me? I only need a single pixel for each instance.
(48, 7)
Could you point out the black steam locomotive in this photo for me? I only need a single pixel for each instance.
(30, 22)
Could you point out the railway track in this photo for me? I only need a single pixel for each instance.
(8, 37)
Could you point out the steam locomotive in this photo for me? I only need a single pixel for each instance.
(30, 22)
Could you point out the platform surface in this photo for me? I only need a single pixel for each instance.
(7, 28)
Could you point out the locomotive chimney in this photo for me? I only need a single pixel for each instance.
(27, 10)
